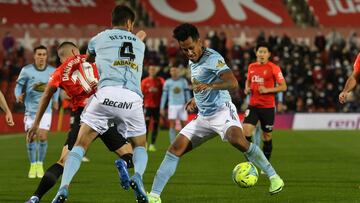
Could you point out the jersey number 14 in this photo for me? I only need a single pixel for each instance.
(86, 77)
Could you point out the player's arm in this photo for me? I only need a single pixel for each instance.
(280, 102)
(247, 87)
(349, 85)
(227, 82)
(20, 83)
(281, 87)
(55, 99)
(44, 102)
(187, 90)
(280, 80)
(164, 97)
(5, 108)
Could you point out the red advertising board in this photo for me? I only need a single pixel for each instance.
(77, 12)
(336, 12)
(216, 12)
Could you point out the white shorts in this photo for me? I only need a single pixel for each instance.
(45, 122)
(177, 112)
(203, 128)
(118, 105)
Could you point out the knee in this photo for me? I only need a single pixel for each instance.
(236, 138)
(42, 136)
(267, 136)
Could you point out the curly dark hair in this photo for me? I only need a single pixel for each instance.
(183, 31)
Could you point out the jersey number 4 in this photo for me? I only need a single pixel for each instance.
(126, 51)
(86, 77)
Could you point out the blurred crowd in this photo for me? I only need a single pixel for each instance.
(315, 70)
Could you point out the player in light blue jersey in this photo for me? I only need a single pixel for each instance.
(175, 90)
(33, 79)
(211, 79)
(119, 57)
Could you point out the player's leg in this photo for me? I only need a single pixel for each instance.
(172, 115)
(172, 130)
(267, 117)
(31, 146)
(147, 112)
(115, 142)
(234, 134)
(250, 121)
(156, 118)
(256, 138)
(95, 121)
(44, 127)
(50, 177)
(42, 149)
(53, 173)
(72, 164)
(191, 136)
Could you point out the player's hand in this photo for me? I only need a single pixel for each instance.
(263, 90)
(191, 105)
(56, 106)
(141, 34)
(247, 90)
(201, 87)
(32, 133)
(162, 112)
(9, 119)
(20, 98)
(280, 107)
(342, 97)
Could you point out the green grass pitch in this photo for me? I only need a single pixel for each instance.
(317, 166)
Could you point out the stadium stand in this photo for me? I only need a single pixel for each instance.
(315, 66)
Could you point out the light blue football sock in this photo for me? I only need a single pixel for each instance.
(257, 136)
(172, 135)
(43, 145)
(140, 159)
(31, 150)
(72, 165)
(255, 155)
(165, 171)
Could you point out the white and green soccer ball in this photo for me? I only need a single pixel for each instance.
(245, 174)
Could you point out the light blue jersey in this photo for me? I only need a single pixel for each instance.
(176, 90)
(208, 70)
(34, 82)
(119, 58)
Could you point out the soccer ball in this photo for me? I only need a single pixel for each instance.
(245, 174)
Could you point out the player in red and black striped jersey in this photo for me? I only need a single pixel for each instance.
(78, 79)
(351, 81)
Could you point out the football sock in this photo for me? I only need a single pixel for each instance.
(42, 150)
(154, 131)
(267, 148)
(172, 135)
(140, 159)
(147, 122)
(257, 136)
(51, 175)
(255, 155)
(128, 159)
(72, 165)
(31, 149)
(165, 171)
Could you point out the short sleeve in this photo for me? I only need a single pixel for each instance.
(55, 78)
(91, 45)
(278, 74)
(217, 64)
